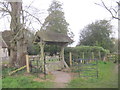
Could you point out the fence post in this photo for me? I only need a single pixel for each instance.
(70, 58)
(99, 55)
(93, 55)
(83, 55)
(27, 64)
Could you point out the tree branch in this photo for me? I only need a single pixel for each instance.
(110, 10)
(33, 17)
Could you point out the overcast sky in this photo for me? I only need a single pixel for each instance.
(78, 13)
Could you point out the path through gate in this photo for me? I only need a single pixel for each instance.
(53, 63)
(85, 67)
(35, 64)
(50, 63)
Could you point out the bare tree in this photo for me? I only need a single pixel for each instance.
(18, 45)
(115, 13)
(112, 10)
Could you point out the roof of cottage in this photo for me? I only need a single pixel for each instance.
(7, 36)
(4, 45)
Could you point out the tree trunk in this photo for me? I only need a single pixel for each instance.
(21, 52)
(13, 54)
(18, 47)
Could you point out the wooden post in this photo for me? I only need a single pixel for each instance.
(42, 54)
(27, 64)
(93, 55)
(83, 55)
(42, 51)
(70, 58)
(99, 55)
(62, 57)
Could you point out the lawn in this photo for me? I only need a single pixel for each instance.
(108, 78)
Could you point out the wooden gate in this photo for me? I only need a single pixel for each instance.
(113, 57)
(53, 63)
(50, 63)
(85, 67)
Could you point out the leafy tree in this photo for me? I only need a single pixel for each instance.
(97, 34)
(55, 21)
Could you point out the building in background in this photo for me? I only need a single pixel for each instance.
(4, 51)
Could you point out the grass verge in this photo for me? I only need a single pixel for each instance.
(108, 78)
(22, 80)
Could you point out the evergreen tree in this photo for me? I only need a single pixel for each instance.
(55, 21)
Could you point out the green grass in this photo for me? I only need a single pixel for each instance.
(20, 80)
(24, 82)
(108, 78)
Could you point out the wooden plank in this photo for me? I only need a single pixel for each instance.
(17, 70)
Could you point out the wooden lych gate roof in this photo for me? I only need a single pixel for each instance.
(52, 37)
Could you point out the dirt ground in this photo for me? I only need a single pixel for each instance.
(61, 79)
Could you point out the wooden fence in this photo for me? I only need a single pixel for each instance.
(50, 63)
(84, 67)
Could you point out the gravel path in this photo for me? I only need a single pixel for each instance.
(61, 79)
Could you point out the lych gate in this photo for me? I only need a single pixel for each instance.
(47, 38)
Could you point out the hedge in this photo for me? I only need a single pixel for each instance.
(79, 51)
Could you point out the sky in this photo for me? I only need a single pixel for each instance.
(78, 13)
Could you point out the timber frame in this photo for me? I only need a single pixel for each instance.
(47, 37)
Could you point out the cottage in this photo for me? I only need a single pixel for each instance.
(4, 50)
(5, 44)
